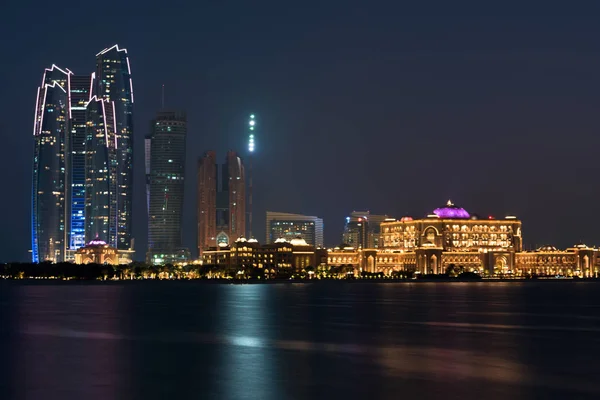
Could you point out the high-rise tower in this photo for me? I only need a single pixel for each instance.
(221, 200)
(81, 87)
(165, 160)
(113, 84)
(207, 201)
(83, 158)
(50, 131)
(100, 172)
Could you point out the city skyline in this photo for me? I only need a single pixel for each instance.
(412, 106)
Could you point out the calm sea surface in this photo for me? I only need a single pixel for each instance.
(186, 340)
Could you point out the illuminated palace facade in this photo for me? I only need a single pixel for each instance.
(451, 238)
(82, 164)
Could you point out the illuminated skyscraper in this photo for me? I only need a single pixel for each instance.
(113, 84)
(207, 201)
(165, 161)
(50, 131)
(75, 171)
(221, 200)
(83, 158)
(100, 172)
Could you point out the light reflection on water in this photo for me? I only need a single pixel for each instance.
(191, 340)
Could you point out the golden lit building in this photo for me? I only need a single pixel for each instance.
(295, 255)
(450, 237)
(97, 252)
(581, 261)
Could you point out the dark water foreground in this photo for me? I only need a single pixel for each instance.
(186, 340)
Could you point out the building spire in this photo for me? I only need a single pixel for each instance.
(162, 104)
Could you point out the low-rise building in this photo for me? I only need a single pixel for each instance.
(97, 252)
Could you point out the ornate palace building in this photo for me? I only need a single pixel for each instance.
(451, 238)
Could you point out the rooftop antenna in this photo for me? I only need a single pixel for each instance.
(163, 97)
(251, 126)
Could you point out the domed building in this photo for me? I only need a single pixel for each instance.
(450, 235)
(97, 252)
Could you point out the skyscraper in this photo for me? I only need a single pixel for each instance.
(362, 229)
(207, 201)
(100, 172)
(75, 171)
(165, 163)
(221, 200)
(113, 84)
(50, 128)
(83, 153)
(290, 226)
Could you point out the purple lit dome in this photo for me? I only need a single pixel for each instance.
(451, 212)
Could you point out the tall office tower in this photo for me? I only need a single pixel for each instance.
(221, 200)
(237, 195)
(100, 172)
(75, 171)
(207, 201)
(290, 226)
(50, 131)
(165, 160)
(113, 85)
(362, 230)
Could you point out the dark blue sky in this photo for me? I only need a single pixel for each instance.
(361, 105)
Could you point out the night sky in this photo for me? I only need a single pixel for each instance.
(360, 105)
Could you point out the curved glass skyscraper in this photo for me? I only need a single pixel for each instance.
(50, 128)
(83, 158)
(114, 85)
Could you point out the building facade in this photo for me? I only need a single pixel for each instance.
(113, 85)
(221, 200)
(450, 235)
(50, 186)
(75, 171)
(85, 121)
(290, 226)
(294, 255)
(97, 252)
(165, 178)
(362, 229)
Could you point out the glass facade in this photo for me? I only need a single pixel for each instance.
(165, 159)
(83, 158)
(114, 84)
(80, 95)
(291, 226)
(100, 171)
(49, 189)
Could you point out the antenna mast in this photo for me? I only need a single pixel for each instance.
(251, 125)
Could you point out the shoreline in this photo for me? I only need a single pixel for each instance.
(294, 281)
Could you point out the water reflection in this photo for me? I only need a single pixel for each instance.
(190, 340)
(68, 342)
(249, 362)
